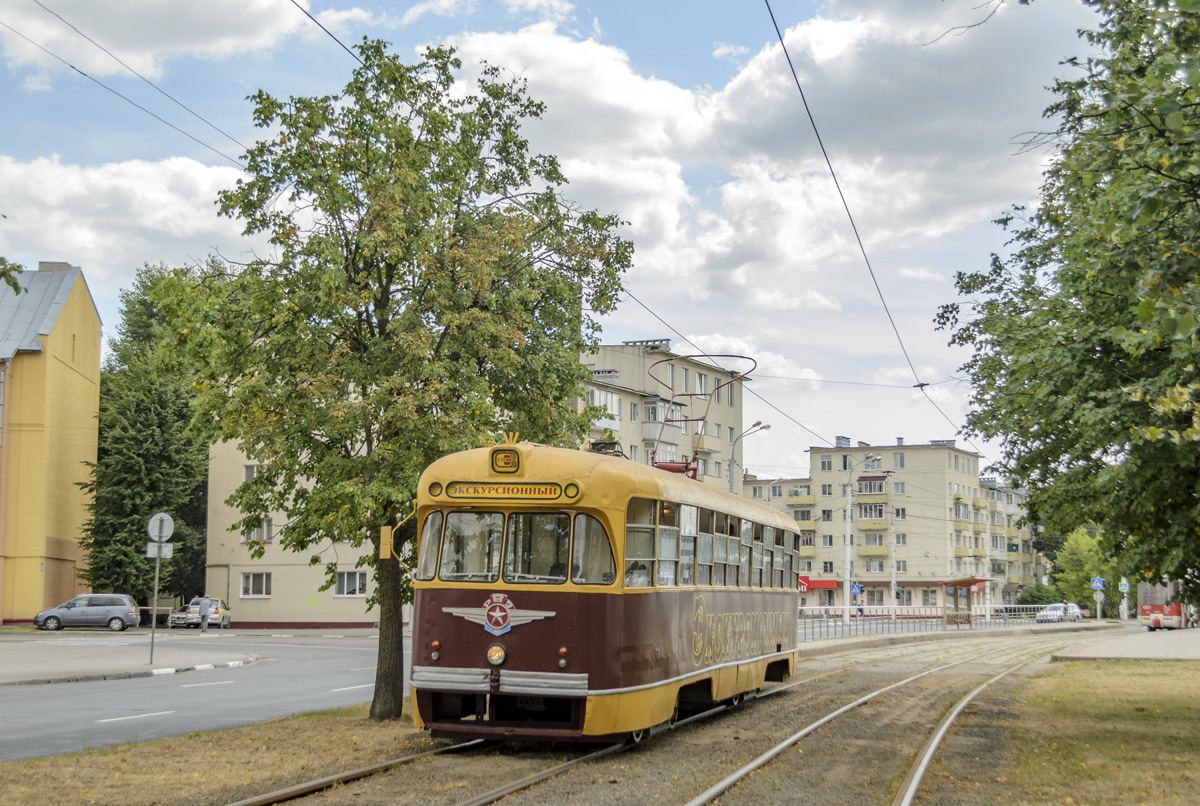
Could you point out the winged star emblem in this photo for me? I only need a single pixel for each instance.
(498, 614)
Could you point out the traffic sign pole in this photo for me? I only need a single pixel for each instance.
(160, 528)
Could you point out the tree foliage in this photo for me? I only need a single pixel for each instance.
(1081, 560)
(9, 272)
(1085, 338)
(430, 290)
(1039, 594)
(147, 461)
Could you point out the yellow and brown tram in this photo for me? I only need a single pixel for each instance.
(572, 595)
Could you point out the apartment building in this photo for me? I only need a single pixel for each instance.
(669, 408)
(918, 516)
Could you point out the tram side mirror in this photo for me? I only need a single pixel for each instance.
(385, 543)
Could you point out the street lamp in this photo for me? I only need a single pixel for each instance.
(846, 539)
(754, 429)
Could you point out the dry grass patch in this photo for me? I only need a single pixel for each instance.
(212, 768)
(1100, 732)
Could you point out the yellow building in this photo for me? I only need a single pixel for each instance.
(49, 397)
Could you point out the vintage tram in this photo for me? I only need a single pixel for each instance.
(572, 595)
(1159, 607)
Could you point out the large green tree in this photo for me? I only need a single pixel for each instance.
(148, 460)
(1080, 560)
(429, 290)
(1085, 337)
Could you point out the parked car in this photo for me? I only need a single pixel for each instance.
(218, 613)
(1054, 612)
(178, 618)
(113, 610)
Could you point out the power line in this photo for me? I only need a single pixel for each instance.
(179, 103)
(123, 97)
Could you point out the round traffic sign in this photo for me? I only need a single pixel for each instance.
(160, 527)
(1098, 596)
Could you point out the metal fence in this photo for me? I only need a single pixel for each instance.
(820, 622)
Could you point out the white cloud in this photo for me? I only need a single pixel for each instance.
(921, 273)
(723, 50)
(439, 8)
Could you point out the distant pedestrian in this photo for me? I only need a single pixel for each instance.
(205, 606)
(1123, 610)
(1064, 610)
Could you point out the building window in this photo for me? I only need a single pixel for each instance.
(872, 462)
(717, 469)
(717, 430)
(671, 376)
(685, 380)
(898, 487)
(827, 567)
(650, 411)
(904, 596)
(827, 462)
(351, 583)
(826, 489)
(801, 489)
(803, 514)
(607, 400)
(717, 394)
(776, 490)
(633, 452)
(731, 436)
(873, 539)
(633, 412)
(847, 461)
(756, 492)
(929, 598)
(901, 513)
(902, 538)
(701, 467)
(827, 541)
(250, 471)
(874, 566)
(805, 566)
(263, 533)
(898, 461)
(870, 511)
(901, 566)
(701, 383)
(827, 514)
(870, 487)
(256, 585)
(729, 394)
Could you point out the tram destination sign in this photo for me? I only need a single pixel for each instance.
(528, 491)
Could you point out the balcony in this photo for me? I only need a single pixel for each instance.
(961, 525)
(962, 551)
(1012, 557)
(800, 500)
(870, 498)
(979, 503)
(871, 524)
(670, 433)
(872, 551)
(979, 527)
(703, 443)
(1012, 579)
(806, 552)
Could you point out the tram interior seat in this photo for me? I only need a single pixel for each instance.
(558, 571)
(637, 576)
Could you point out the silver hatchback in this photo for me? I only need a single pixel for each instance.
(113, 610)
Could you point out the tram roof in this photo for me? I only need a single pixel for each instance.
(607, 481)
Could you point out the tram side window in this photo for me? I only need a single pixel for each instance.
(668, 544)
(689, 526)
(592, 560)
(431, 535)
(768, 541)
(537, 547)
(747, 541)
(718, 558)
(733, 560)
(639, 543)
(471, 546)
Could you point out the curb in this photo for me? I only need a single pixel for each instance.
(203, 667)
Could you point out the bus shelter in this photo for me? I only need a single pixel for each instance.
(960, 595)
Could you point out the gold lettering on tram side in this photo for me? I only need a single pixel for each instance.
(721, 637)
(534, 491)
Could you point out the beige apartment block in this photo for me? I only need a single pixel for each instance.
(49, 396)
(280, 589)
(668, 407)
(919, 514)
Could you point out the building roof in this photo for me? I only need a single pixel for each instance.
(27, 316)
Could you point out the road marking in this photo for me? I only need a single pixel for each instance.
(136, 716)
(217, 683)
(364, 669)
(351, 688)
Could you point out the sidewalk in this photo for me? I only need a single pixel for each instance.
(32, 658)
(1134, 642)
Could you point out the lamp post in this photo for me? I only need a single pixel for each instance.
(846, 539)
(754, 429)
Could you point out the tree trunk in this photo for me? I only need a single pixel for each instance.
(390, 689)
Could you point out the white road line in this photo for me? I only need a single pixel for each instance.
(351, 688)
(217, 683)
(135, 716)
(364, 669)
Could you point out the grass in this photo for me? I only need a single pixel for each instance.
(1081, 733)
(1099, 732)
(212, 768)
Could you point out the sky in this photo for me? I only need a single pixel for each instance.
(125, 118)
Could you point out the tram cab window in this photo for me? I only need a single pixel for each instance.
(592, 560)
(471, 546)
(431, 537)
(537, 547)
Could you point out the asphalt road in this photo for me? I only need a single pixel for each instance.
(293, 674)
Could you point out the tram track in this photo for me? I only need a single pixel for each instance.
(459, 775)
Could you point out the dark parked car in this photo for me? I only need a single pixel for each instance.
(113, 610)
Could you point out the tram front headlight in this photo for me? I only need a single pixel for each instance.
(496, 654)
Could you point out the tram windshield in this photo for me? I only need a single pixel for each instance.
(536, 548)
